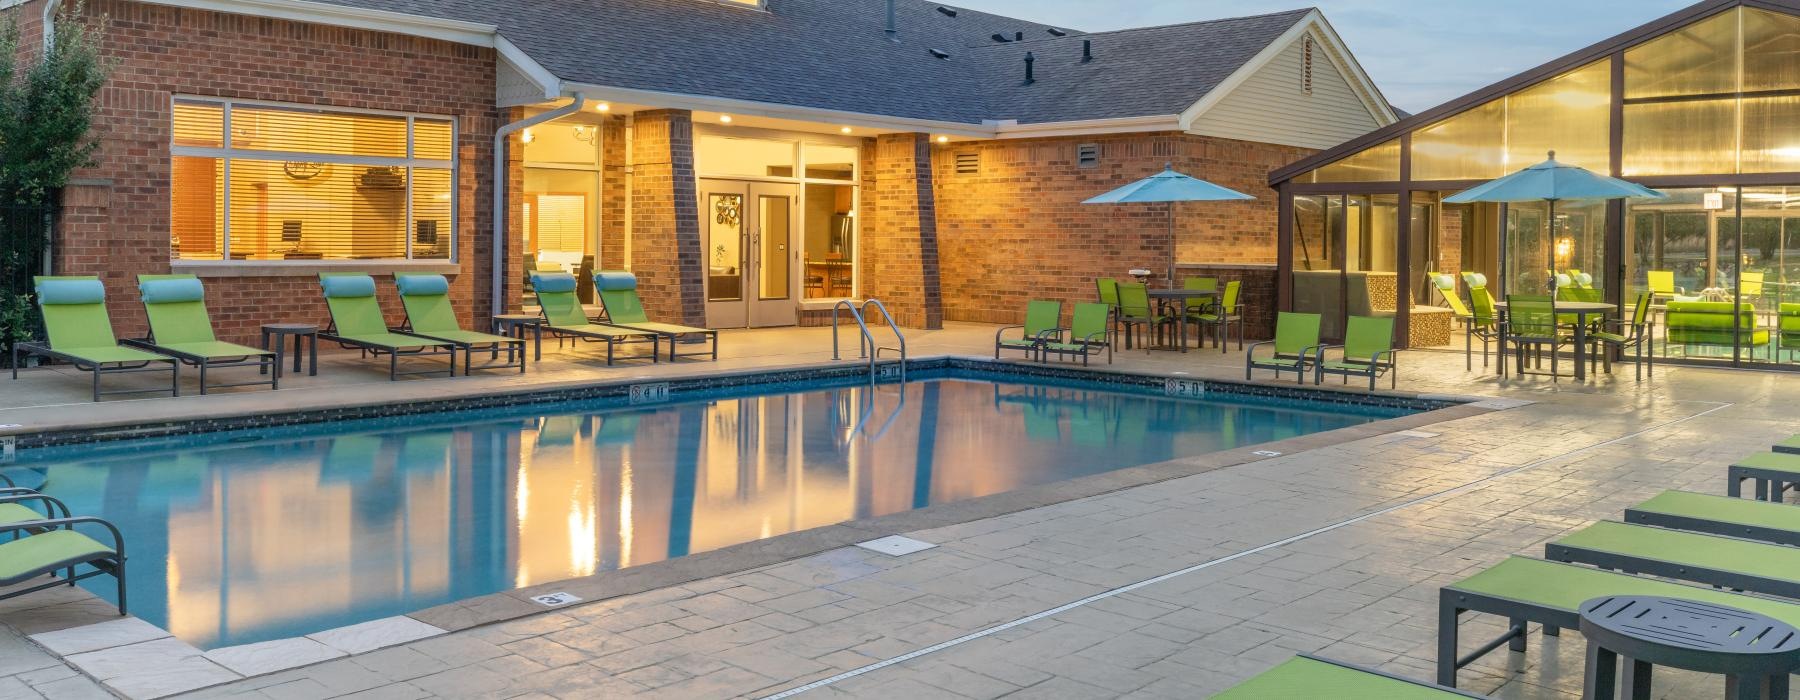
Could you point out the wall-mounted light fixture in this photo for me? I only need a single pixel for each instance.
(943, 139)
(526, 136)
(845, 130)
(603, 107)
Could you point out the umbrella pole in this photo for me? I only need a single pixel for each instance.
(1172, 246)
(1551, 247)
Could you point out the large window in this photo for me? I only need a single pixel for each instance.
(264, 182)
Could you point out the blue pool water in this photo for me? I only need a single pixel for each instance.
(244, 537)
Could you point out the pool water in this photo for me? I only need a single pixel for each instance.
(317, 527)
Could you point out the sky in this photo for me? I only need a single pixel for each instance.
(1420, 52)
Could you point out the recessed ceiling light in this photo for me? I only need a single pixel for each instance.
(943, 139)
(845, 130)
(725, 119)
(603, 107)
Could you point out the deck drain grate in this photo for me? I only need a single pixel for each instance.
(895, 545)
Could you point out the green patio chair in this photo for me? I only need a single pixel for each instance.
(1136, 312)
(429, 314)
(1042, 324)
(1633, 333)
(1296, 341)
(1661, 284)
(181, 328)
(52, 546)
(1088, 334)
(1484, 323)
(1108, 289)
(1474, 281)
(1311, 677)
(568, 321)
(1531, 325)
(1368, 350)
(1771, 475)
(357, 323)
(1527, 590)
(1719, 515)
(1788, 325)
(79, 332)
(619, 296)
(1756, 567)
(15, 507)
(1221, 315)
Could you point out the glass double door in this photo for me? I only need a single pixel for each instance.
(747, 232)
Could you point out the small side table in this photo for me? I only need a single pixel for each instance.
(1754, 652)
(301, 332)
(514, 325)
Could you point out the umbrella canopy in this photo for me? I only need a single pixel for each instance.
(1553, 181)
(1169, 186)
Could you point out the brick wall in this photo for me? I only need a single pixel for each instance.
(121, 230)
(1256, 293)
(665, 237)
(899, 250)
(1017, 230)
(612, 194)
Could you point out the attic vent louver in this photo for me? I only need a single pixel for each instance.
(1087, 155)
(947, 11)
(1018, 36)
(1029, 61)
(939, 53)
(1002, 38)
(1056, 32)
(968, 163)
(1087, 50)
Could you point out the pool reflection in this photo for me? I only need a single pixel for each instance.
(248, 542)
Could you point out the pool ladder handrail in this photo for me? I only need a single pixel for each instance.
(867, 342)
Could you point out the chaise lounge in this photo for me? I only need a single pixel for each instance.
(618, 294)
(181, 328)
(429, 315)
(51, 546)
(80, 333)
(357, 323)
(567, 320)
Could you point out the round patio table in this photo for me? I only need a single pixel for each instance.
(1173, 302)
(1580, 310)
(1754, 652)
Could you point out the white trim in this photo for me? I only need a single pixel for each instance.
(1121, 125)
(1334, 48)
(458, 31)
(703, 103)
(512, 55)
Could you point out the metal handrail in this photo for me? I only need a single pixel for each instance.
(891, 326)
(866, 346)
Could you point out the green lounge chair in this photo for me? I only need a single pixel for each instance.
(618, 294)
(1758, 567)
(1790, 446)
(1531, 324)
(429, 315)
(357, 322)
(1296, 339)
(1787, 319)
(1719, 515)
(567, 320)
(1634, 333)
(1311, 677)
(53, 546)
(1772, 472)
(80, 333)
(1368, 350)
(1135, 311)
(181, 328)
(14, 510)
(1043, 321)
(1088, 334)
(1222, 315)
(1532, 590)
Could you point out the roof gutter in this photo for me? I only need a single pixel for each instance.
(499, 256)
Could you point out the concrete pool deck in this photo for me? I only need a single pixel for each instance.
(1336, 547)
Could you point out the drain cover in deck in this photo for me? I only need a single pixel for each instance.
(895, 545)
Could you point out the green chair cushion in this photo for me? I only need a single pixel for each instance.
(1723, 509)
(668, 328)
(1566, 586)
(113, 353)
(392, 340)
(469, 337)
(603, 331)
(1770, 561)
(1302, 677)
(1771, 461)
(1351, 366)
(1276, 362)
(59, 549)
(17, 513)
(214, 349)
(1017, 343)
(1789, 446)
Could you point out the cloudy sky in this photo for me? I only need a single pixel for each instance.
(1421, 52)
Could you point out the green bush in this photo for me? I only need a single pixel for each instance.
(46, 107)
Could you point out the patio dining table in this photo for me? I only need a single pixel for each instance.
(1173, 303)
(1580, 310)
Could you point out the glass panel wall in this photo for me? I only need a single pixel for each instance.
(1347, 262)
(1707, 99)
(1378, 164)
(1318, 280)
(1570, 114)
(1468, 146)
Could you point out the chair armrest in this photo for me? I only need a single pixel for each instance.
(70, 523)
(1251, 351)
(1002, 331)
(52, 504)
(1052, 334)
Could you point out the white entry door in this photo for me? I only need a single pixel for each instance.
(748, 230)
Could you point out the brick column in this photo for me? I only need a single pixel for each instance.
(900, 245)
(665, 227)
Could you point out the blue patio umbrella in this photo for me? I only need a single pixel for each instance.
(1169, 187)
(1553, 182)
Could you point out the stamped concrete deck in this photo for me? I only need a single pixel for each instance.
(1177, 587)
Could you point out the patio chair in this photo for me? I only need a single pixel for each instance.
(1198, 305)
(79, 332)
(1088, 334)
(1661, 284)
(1307, 676)
(1531, 326)
(181, 328)
(1631, 333)
(1788, 328)
(618, 294)
(1108, 294)
(357, 323)
(52, 546)
(1136, 312)
(1484, 323)
(14, 508)
(1296, 340)
(426, 299)
(1719, 515)
(1788, 446)
(567, 320)
(1771, 475)
(1474, 281)
(1756, 567)
(1368, 350)
(1525, 590)
(1042, 324)
(1221, 315)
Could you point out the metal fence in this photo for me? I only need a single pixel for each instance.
(25, 248)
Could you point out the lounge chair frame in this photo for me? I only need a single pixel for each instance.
(612, 341)
(428, 347)
(24, 349)
(1384, 674)
(1664, 568)
(515, 351)
(1690, 523)
(113, 565)
(204, 363)
(1770, 484)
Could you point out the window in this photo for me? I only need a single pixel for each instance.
(302, 183)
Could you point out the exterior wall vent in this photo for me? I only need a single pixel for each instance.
(1087, 155)
(947, 12)
(968, 163)
(1306, 65)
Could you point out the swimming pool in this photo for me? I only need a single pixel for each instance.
(246, 536)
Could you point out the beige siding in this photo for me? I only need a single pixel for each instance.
(1270, 107)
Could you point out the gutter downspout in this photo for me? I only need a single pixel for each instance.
(500, 185)
(50, 9)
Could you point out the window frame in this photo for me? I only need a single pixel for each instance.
(225, 153)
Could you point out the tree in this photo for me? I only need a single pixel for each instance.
(46, 107)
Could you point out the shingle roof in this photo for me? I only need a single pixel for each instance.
(833, 54)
